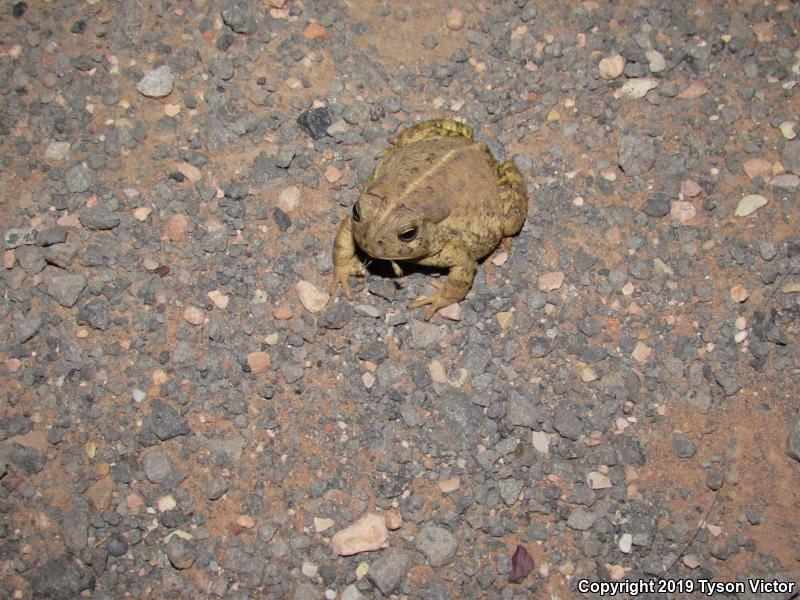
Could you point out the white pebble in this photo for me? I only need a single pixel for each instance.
(309, 569)
(749, 204)
(787, 130)
(655, 60)
(611, 67)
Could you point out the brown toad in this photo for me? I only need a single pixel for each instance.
(437, 198)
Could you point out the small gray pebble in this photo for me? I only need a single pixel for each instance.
(65, 289)
(684, 447)
(156, 83)
(437, 544)
(389, 569)
(116, 545)
(98, 218)
(215, 488)
(181, 553)
(157, 466)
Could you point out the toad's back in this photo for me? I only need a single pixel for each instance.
(456, 173)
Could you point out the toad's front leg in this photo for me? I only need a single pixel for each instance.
(345, 261)
(455, 288)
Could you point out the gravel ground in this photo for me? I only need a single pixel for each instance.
(183, 415)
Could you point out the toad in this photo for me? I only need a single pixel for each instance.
(437, 198)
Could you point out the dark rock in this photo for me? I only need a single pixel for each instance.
(239, 16)
(539, 347)
(61, 255)
(30, 258)
(23, 458)
(237, 190)
(728, 383)
(393, 484)
(791, 156)
(567, 424)
(389, 569)
(509, 490)
(282, 220)
(94, 313)
(315, 122)
(591, 354)
(485, 577)
(28, 327)
(636, 155)
(429, 42)
(65, 289)
(292, 371)
(582, 261)
(437, 544)
(18, 9)
(522, 411)
(657, 205)
(215, 241)
(374, 350)
(116, 545)
(589, 327)
(337, 315)
(165, 421)
(51, 236)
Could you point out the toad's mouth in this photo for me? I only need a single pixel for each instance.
(393, 258)
(412, 258)
(377, 252)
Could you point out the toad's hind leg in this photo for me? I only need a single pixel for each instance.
(513, 197)
(435, 128)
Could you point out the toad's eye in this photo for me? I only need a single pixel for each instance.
(407, 234)
(356, 212)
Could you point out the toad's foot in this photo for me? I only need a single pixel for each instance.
(341, 276)
(459, 280)
(436, 301)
